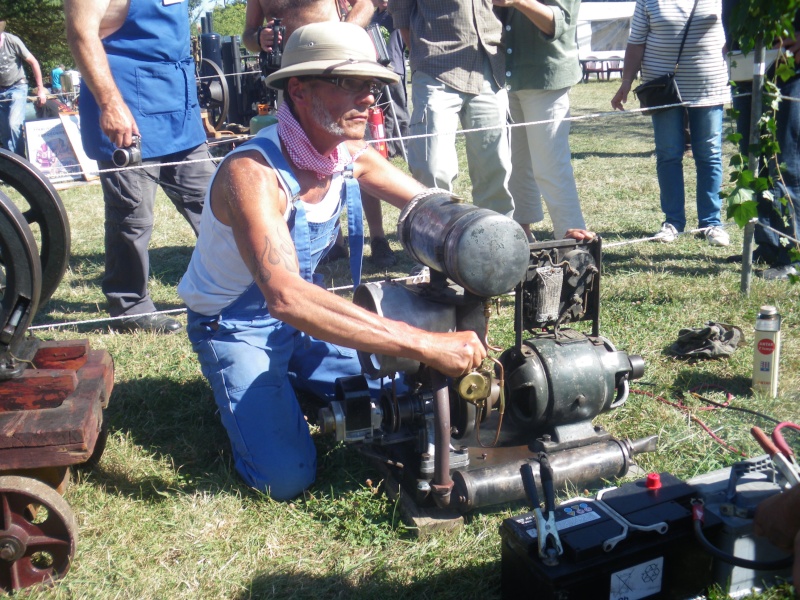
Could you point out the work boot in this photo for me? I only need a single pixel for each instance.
(780, 273)
(153, 323)
(382, 254)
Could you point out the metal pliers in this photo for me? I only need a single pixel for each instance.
(546, 532)
(779, 451)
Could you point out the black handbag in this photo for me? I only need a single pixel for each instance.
(663, 90)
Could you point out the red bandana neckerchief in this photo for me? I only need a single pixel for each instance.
(302, 152)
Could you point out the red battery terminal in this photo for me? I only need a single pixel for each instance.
(653, 481)
(698, 512)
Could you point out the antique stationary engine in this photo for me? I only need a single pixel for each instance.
(460, 442)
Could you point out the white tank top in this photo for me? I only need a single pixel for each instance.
(217, 274)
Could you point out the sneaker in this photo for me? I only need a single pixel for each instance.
(717, 236)
(667, 234)
(780, 273)
(382, 254)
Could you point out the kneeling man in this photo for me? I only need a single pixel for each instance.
(260, 326)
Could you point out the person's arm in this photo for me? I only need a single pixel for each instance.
(541, 15)
(246, 196)
(253, 19)
(84, 20)
(41, 93)
(380, 178)
(401, 18)
(631, 66)
(778, 519)
(360, 12)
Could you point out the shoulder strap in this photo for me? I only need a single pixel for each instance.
(685, 33)
(355, 223)
(271, 148)
(301, 234)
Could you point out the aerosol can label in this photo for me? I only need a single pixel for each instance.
(767, 351)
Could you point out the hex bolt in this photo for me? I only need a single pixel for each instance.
(7, 551)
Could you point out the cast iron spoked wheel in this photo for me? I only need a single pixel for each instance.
(38, 534)
(45, 211)
(21, 272)
(212, 92)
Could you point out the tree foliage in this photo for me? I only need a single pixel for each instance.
(229, 19)
(40, 25)
(770, 23)
(771, 20)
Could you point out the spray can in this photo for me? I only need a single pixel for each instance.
(377, 130)
(262, 119)
(767, 351)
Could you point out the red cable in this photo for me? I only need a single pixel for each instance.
(683, 408)
(713, 386)
(777, 438)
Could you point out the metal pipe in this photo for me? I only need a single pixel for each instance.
(442, 482)
(753, 160)
(759, 58)
(747, 257)
(579, 467)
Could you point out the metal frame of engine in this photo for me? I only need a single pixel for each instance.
(578, 300)
(549, 385)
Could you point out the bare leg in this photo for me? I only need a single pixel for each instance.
(526, 227)
(373, 214)
(382, 255)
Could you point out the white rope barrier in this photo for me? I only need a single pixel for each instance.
(105, 319)
(653, 237)
(779, 233)
(242, 138)
(422, 277)
(628, 113)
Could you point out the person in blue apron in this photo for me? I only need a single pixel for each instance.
(259, 324)
(135, 58)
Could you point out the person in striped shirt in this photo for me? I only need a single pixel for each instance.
(654, 44)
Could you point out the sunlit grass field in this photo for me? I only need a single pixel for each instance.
(164, 515)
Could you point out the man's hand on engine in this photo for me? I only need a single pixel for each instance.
(455, 354)
(579, 234)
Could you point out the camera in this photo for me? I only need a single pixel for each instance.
(271, 61)
(130, 156)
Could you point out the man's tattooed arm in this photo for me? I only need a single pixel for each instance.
(275, 254)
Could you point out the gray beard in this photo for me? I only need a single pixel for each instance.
(323, 118)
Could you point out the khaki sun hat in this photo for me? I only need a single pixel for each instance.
(330, 49)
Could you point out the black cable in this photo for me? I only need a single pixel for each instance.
(180, 189)
(755, 565)
(739, 408)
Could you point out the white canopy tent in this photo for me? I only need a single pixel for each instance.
(603, 29)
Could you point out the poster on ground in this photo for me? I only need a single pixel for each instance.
(72, 125)
(49, 148)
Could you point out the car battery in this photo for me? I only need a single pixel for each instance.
(732, 494)
(607, 555)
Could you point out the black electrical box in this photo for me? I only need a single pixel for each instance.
(601, 560)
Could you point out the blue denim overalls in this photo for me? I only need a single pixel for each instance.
(253, 360)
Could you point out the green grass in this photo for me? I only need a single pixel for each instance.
(165, 515)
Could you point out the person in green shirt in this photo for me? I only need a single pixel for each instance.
(541, 66)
